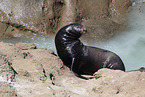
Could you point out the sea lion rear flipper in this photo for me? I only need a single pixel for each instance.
(76, 74)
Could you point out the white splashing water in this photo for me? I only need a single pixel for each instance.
(129, 44)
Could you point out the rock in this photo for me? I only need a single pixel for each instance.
(101, 17)
(121, 83)
(41, 73)
(68, 14)
(27, 15)
(25, 46)
(9, 49)
(7, 90)
(112, 83)
(118, 9)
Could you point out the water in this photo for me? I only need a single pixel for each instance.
(39, 40)
(129, 44)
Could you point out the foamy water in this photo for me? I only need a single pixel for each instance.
(129, 44)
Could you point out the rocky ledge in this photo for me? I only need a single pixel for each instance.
(27, 71)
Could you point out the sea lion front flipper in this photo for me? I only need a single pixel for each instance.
(72, 66)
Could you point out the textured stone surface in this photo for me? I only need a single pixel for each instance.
(25, 46)
(38, 72)
(101, 17)
(7, 90)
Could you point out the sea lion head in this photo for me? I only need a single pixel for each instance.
(75, 29)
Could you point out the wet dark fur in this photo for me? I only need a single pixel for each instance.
(83, 59)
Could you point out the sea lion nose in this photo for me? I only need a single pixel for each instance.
(84, 30)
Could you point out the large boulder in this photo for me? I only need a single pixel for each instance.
(26, 15)
(101, 17)
(38, 72)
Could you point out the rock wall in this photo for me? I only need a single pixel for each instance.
(101, 17)
(28, 71)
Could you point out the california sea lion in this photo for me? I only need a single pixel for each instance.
(81, 59)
